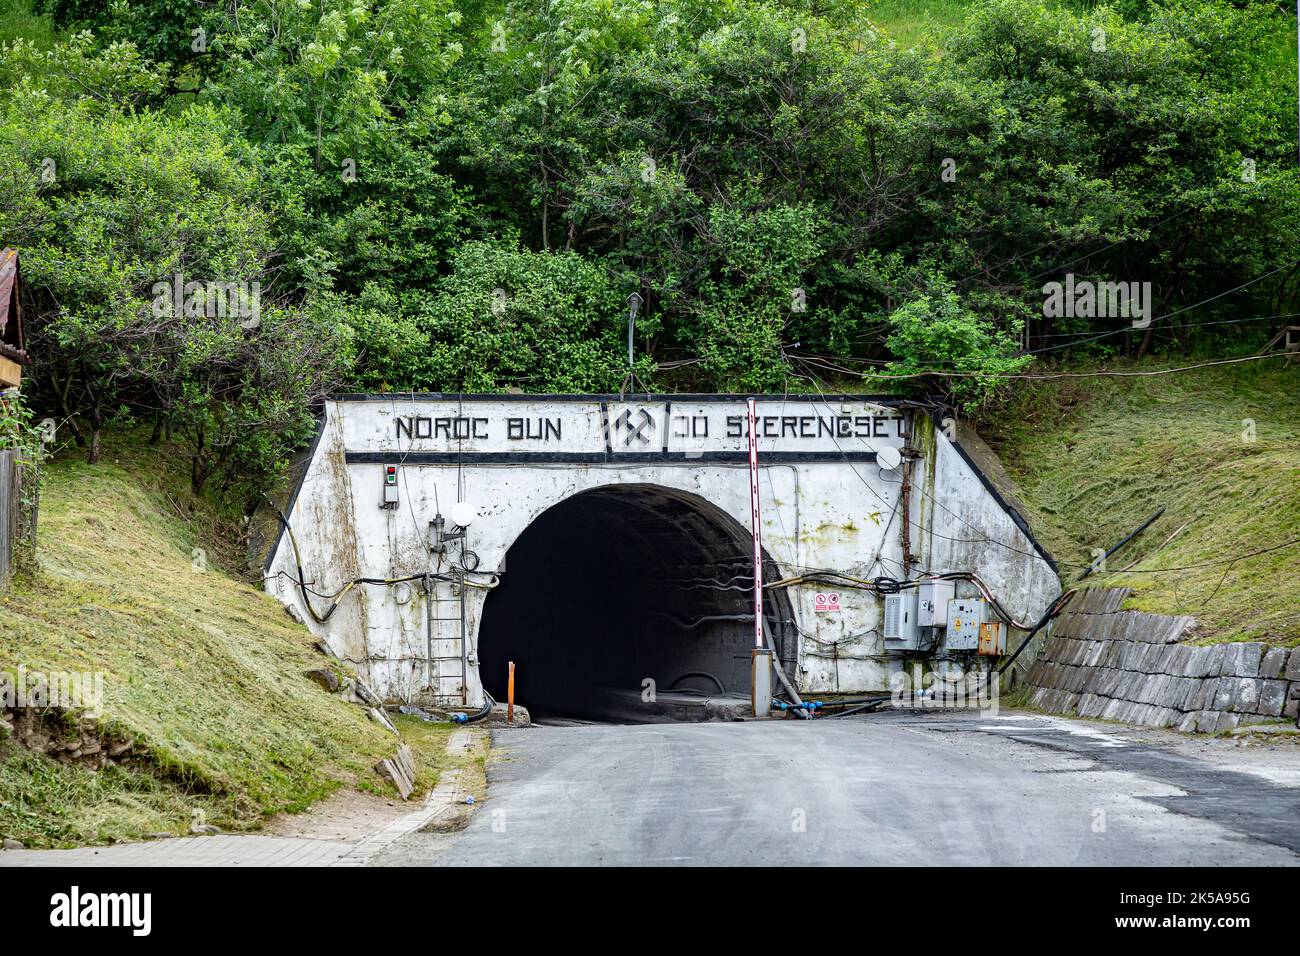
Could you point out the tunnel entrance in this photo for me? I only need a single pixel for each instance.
(623, 585)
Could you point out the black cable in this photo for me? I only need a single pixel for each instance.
(859, 709)
(337, 596)
(1029, 554)
(472, 718)
(848, 701)
(297, 560)
(1052, 611)
(1125, 540)
(721, 689)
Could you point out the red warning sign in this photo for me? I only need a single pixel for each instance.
(826, 601)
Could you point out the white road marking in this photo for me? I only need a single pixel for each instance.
(1074, 730)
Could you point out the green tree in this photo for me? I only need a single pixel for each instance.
(329, 93)
(940, 345)
(113, 208)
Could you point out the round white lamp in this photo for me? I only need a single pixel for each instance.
(463, 514)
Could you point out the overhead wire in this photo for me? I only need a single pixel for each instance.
(817, 381)
(1100, 373)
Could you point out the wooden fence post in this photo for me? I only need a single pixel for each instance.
(9, 507)
(19, 484)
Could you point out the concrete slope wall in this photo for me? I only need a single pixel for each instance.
(963, 524)
(1103, 662)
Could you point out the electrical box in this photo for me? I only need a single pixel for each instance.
(901, 630)
(390, 487)
(965, 615)
(993, 639)
(932, 599)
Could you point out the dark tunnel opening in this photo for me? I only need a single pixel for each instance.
(628, 603)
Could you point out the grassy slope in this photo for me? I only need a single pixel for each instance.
(18, 21)
(908, 22)
(1095, 457)
(207, 672)
(911, 22)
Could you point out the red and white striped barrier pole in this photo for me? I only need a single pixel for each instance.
(754, 523)
(761, 670)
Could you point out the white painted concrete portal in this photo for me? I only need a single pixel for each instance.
(826, 505)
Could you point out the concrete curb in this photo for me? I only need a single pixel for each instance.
(441, 799)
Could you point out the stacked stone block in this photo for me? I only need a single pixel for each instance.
(1102, 662)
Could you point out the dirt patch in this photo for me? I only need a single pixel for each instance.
(66, 736)
(348, 816)
(452, 820)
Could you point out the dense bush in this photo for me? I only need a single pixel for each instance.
(503, 318)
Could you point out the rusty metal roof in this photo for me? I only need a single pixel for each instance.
(12, 344)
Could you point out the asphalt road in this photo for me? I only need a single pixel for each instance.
(894, 789)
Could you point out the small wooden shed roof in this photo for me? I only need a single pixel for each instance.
(12, 344)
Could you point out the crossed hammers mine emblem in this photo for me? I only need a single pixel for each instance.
(641, 431)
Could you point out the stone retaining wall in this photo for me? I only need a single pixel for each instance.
(1131, 666)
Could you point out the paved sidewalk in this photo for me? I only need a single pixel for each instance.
(218, 850)
(229, 849)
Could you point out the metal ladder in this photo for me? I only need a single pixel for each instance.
(434, 622)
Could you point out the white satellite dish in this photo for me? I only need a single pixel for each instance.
(889, 457)
(463, 514)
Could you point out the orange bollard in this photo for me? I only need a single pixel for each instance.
(510, 695)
